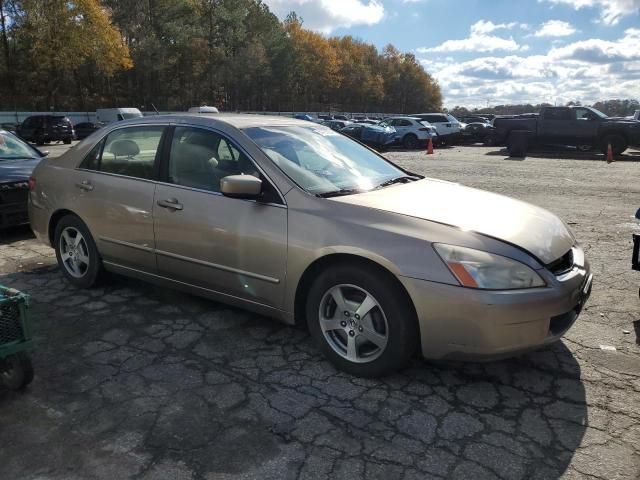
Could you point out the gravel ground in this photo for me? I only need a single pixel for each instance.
(137, 381)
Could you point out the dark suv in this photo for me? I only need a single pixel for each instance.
(41, 129)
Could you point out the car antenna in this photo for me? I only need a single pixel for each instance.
(156, 110)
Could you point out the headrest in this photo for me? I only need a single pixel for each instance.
(127, 148)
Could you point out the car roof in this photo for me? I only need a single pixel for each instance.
(234, 119)
(404, 117)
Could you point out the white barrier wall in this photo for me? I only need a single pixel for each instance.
(75, 117)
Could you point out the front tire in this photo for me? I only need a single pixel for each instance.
(76, 252)
(362, 320)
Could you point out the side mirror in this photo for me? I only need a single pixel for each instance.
(44, 153)
(241, 186)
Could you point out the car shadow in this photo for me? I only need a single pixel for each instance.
(15, 234)
(230, 392)
(565, 154)
(636, 328)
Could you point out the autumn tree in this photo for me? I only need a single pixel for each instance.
(315, 73)
(173, 54)
(57, 41)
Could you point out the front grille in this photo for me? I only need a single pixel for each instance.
(562, 265)
(10, 324)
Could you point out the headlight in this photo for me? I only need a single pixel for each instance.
(478, 269)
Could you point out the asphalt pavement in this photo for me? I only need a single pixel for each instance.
(136, 381)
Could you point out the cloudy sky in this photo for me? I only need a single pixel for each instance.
(499, 51)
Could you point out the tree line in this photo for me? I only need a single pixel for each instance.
(174, 54)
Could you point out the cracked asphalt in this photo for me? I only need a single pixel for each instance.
(134, 381)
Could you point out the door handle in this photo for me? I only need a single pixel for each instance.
(170, 203)
(85, 185)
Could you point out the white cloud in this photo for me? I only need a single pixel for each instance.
(479, 40)
(555, 28)
(482, 27)
(612, 10)
(586, 70)
(601, 51)
(327, 15)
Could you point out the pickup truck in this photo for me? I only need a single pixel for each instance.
(583, 127)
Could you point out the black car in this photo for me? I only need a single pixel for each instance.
(17, 161)
(84, 129)
(474, 119)
(477, 133)
(582, 127)
(354, 130)
(41, 129)
(336, 124)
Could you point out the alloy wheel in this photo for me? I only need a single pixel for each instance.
(74, 252)
(353, 323)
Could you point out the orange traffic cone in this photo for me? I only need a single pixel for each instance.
(609, 154)
(430, 147)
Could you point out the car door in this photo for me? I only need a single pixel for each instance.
(116, 184)
(232, 246)
(555, 125)
(583, 126)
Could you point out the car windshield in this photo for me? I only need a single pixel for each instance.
(384, 123)
(321, 161)
(11, 148)
(127, 116)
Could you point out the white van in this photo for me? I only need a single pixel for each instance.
(447, 126)
(203, 109)
(110, 115)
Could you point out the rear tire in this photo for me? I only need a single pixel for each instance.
(77, 253)
(380, 342)
(618, 144)
(410, 141)
(67, 141)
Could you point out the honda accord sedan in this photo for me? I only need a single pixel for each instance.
(292, 220)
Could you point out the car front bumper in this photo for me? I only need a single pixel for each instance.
(13, 205)
(468, 324)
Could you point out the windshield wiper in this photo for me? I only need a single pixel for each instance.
(17, 158)
(338, 193)
(402, 179)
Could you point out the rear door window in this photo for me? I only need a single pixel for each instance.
(130, 152)
(557, 114)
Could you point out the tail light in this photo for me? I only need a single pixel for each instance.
(32, 184)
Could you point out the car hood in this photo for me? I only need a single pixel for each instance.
(532, 228)
(17, 170)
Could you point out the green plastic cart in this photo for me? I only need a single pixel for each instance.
(16, 371)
